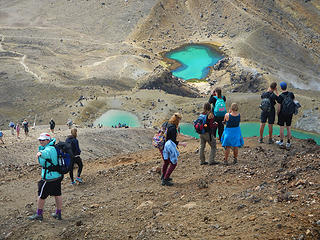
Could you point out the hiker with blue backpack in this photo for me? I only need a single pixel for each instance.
(50, 183)
(232, 137)
(204, 125)
(1, 136)
(72, 139)
(268, 112)
(286, 109)
(170, 151)
(12, 127)
(219, 110)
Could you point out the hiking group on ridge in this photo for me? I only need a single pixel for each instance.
(213, 119)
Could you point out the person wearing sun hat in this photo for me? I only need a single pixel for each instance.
(285, 112)
(50, 183)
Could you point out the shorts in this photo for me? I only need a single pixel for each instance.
(271, 116)
(46, 189)
(284, 119)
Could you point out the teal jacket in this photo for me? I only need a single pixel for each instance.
(48, 152)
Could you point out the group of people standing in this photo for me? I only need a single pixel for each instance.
(16, 128)
(285, 110)
(230, 136)
(216, 117)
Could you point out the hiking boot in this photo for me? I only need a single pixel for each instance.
(166, 182)
(56, 216)
(213, 163)
(279, 143)
(79, 180)
(73, 183)
(288, 145)
(204, 163)
(235, 160)
(36, 217)
(225, 162)
(169, 179)
(260, 140)
(270, 141)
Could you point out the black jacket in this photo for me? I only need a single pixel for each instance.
(74, 145)
(172, 133)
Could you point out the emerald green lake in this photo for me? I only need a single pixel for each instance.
(195, 61)
(114, 117)
(251, 129)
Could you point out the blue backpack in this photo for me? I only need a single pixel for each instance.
(199, 124)
(64, 152)
(220, 108)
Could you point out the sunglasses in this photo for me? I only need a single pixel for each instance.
(42, 140)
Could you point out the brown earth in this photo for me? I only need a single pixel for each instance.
(271, 193)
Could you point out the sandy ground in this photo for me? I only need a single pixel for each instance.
(270, 194)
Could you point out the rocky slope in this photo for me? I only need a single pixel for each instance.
(49, 51)
(271, 193)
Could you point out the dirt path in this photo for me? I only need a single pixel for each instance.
(271, 194)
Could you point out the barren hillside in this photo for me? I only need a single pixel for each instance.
(63, 51)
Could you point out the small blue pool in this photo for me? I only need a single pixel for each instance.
(195, 61)
(114, 117)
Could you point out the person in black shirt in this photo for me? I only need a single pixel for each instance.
(272, 95)
(284, 118)
(217, 93)
(170, 152)
(72, 139)
(52, 125)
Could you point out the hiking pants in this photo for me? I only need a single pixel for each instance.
(205, 138)
(220, 127)
(78, 161)
(166, 172)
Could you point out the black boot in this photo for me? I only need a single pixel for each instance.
(169, 179)
(166, 182)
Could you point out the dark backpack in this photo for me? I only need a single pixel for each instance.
(288, 106)
(65, 154)
(265, 105)
(199, 124)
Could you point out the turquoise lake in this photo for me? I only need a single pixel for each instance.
(251, 129)
(114, 117)
(195, 61)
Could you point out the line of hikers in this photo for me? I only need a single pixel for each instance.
(214, 118)
(17, 127)
(56, 160)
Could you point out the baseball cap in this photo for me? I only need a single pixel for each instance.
(283, 85)
(44, 136)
